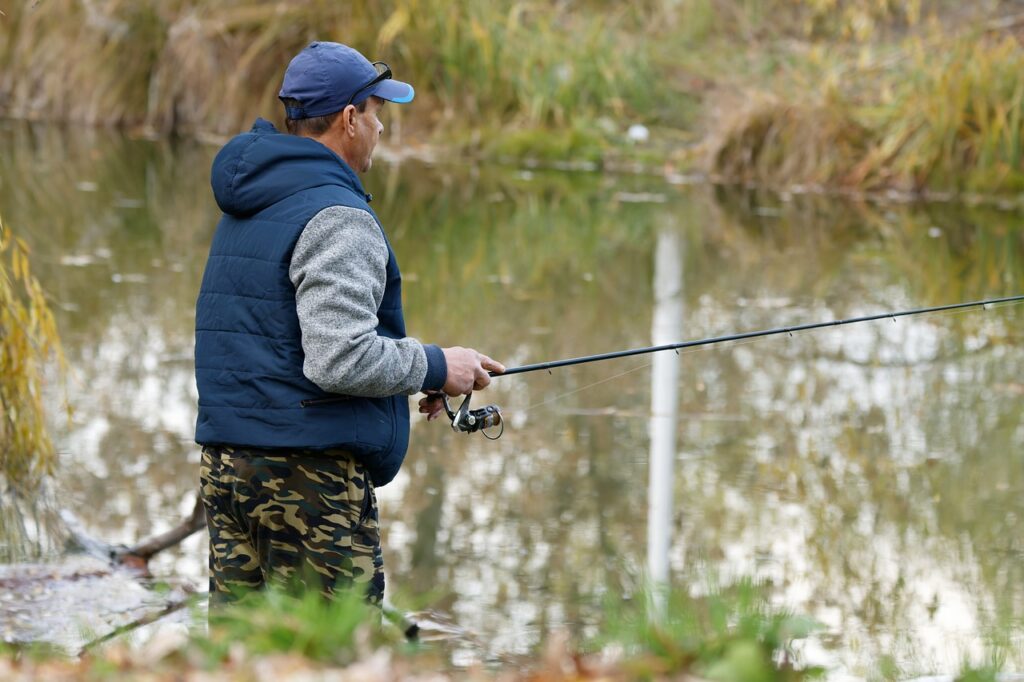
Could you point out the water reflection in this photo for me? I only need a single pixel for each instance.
(666, 328)
(873, 474)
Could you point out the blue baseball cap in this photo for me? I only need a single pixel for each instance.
(326, 77)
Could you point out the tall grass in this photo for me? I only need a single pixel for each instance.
(857, 93)
(211, 66)
(86, 61)
(946, 115)
(957, 118)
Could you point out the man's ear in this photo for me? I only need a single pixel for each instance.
(345, 122)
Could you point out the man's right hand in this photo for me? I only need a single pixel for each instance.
(467, 370)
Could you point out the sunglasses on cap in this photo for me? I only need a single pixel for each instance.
(383, 73)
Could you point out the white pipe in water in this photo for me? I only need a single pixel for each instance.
(667, 327)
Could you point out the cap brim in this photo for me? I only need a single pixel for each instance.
(394, 91)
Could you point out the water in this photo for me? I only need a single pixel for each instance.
(872, 474)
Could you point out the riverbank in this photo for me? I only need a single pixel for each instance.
(856, 96)
(731, 634)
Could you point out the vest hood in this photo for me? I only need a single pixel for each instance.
(263, 166)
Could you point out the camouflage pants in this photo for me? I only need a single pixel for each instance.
(279, 517)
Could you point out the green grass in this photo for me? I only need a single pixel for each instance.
(336, 632)
(731, 634)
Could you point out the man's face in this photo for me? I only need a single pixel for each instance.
(368, 131)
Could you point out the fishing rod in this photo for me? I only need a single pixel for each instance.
(747, 335)
(468, 421)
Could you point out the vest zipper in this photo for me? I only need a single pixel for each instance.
(313, 402)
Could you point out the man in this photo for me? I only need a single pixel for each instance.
(302, 362)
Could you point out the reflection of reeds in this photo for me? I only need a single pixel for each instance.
(30, 523)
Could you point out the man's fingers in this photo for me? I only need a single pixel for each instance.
(431, 414)
(491, 365)
(481, 380)
(468, 370)
(431, 406)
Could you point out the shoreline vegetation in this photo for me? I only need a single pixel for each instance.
(731, 635)
(902, 97)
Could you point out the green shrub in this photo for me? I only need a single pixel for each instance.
(274, 621)
(730, 635)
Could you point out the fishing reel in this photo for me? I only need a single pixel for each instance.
(469, 421)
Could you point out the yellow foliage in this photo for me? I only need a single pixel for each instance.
(28, 339)
(778, 143)
(393, 27)
(855, 19)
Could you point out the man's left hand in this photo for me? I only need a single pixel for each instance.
(432, 405)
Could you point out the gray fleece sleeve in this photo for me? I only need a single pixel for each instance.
(339, 270)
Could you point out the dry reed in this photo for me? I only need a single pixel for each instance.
(211, 66)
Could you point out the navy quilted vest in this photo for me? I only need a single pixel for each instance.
(248, 344)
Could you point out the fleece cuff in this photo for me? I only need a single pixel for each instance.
(437, 368)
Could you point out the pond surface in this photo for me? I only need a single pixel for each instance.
(873, 475)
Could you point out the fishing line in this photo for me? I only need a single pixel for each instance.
(687, 351)
(583, 388)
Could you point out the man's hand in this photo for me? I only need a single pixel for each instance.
(467, 370)
(432, 405)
